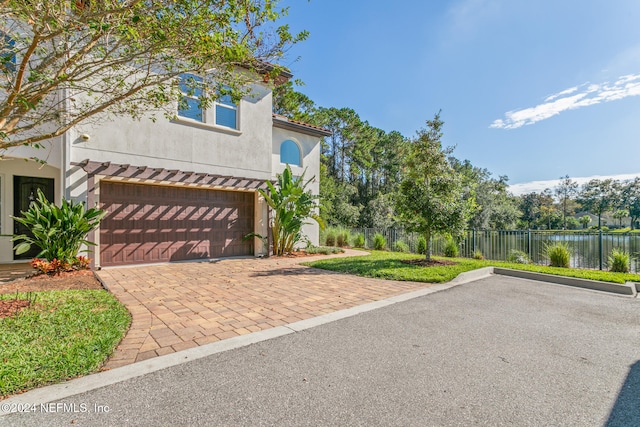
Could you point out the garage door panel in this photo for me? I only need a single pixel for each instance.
(148, 223)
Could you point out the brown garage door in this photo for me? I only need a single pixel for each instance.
(151, 223)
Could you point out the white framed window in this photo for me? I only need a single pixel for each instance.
(224, 112)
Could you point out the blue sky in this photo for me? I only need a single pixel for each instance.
(533, 90)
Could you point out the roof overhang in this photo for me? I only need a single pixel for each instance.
(296, 126)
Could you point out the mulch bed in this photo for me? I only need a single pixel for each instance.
(11, 306)
(425, 263)
(75, 280)
(296, 254)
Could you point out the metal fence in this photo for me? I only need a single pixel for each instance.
(588, 249)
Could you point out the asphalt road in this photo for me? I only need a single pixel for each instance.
(500, 351)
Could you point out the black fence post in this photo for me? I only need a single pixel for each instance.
(600, 247)
(529, 243)
(474, 240)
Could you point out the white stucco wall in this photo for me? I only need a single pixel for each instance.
(51, 153)
(310, 148)
(185, 144)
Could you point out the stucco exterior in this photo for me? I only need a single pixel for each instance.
(181, 146)
(310, 153)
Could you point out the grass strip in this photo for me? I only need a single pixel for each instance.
(63, 334)
(389, 265)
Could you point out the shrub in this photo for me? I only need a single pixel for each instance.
(619, 261)
(559, 254)
(58, 231)
(358, 241)
(343, 237)
(401, 246)
(324, 250)
(330, 240)
(422, 245)
(518, 257)
(451, 249)
(477, 254)
(379, 242)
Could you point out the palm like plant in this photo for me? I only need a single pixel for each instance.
(58, 231)
(291, 205)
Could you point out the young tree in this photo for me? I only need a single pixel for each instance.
(430, 195)
(565, 192)
(66, 61)
(598, 196)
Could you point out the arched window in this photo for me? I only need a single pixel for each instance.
(290, 153)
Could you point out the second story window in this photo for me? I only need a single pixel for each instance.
(224, 111)
(290, 153)
(189, 105)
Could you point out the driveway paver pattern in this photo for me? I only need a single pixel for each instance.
(183, 305)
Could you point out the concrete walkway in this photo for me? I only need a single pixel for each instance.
(13, 271)
(183, 305)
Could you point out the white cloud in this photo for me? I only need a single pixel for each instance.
(564, 92)
(538, 186)
(571, 99)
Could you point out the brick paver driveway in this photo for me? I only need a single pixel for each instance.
(182, 305)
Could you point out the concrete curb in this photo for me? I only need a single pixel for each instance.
(627, 289)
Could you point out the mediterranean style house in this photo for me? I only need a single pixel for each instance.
(173, 189)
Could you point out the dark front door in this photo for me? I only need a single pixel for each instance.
(25, 191)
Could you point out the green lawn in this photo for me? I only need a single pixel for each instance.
(63, 334)
(388, 265)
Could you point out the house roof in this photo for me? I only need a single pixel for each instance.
(294, 125)
(265, 67)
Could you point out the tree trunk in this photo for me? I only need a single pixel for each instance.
(427, 251)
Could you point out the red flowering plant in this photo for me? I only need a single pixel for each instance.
(56, 266)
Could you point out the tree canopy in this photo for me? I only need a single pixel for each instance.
(598, 196)
(429, 199)
(363, 168)
(63, 62)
